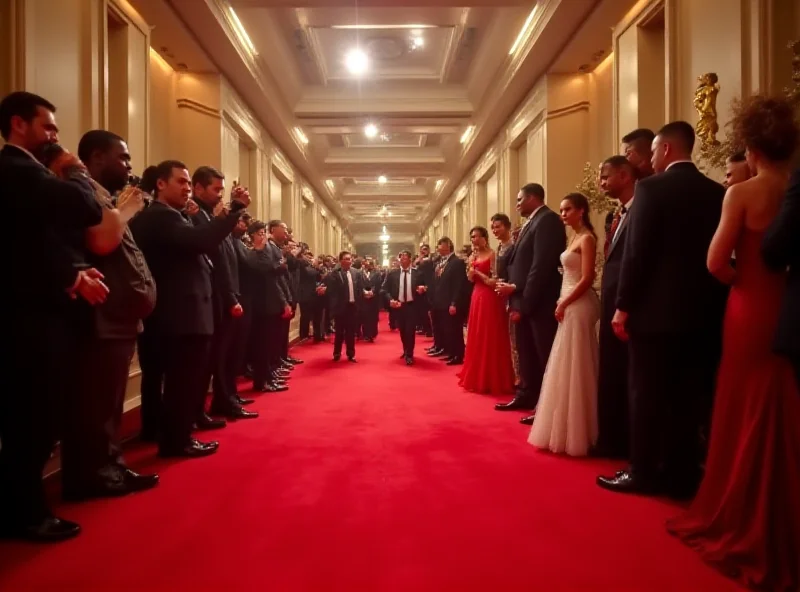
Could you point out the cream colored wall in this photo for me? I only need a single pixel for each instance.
(163, 112)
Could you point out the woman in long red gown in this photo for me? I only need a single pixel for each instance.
(488, 366)
(745, 519)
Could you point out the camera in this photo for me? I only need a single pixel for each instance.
(137, 182)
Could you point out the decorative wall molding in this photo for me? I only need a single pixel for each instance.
(199, 108)
(307, 195)
(280, 163)
(568, 110)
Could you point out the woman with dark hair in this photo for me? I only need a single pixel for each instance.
(566, 415)
(745, 519)
(487, 360)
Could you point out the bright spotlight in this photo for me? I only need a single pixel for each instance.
(417, 42)
(370, 130)
(356, 61)
(382, 180)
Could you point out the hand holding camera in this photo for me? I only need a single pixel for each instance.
(240, 195)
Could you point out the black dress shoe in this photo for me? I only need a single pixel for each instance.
(207, 423)
(436, 353)
(625, 482)
(137, 482)
(409, 361)
(243, 401)
(241, 413)
(294, 361)
(455, 361)
(114, 481)
(271, 388)
(352, 359)
(527, 420)
(517, 403)
(194, 449)
(48, 530)
(337, 357)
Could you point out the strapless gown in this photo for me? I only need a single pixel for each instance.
(745, 519)
(566, 416)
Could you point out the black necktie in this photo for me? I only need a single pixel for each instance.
(405, 286)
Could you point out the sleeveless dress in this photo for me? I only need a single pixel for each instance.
(487, 365)
(566, 416)
(745, 520)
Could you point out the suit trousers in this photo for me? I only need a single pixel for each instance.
(265, 335)
(423, 308)
(310, 317)
(671, 385)
(151, 363)
(451, 332)
(407, 318)
(286, 325)
(535, 335)
(346, 325)
(370, 312)
(186, 359)
(41, 349)
(92, 419)
(612, 394)
(224, 363)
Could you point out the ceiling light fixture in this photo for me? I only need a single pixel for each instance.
(417, 42)
(524, 30)
(384, 237)
(383, 27)
(370, 130)
(301, 136)
(467, 134)
(241, 32)
(356, 61)
(382, 179)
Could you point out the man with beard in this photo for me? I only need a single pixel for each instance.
(40, 336)
(91, 457)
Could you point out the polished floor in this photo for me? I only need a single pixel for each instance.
(368, 477)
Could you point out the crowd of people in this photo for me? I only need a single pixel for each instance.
(685, 362)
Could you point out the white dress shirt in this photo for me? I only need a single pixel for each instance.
(350, 290)
(406, 293)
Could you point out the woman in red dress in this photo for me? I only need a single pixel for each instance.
(745, 519)
(488, 367)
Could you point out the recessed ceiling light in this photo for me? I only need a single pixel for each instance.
(370, 130)
(417, 42)
(356, 61)
(411, 26)
(382, 179)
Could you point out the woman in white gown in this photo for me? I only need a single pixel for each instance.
(566, 416)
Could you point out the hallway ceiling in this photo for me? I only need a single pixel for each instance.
(386, 142)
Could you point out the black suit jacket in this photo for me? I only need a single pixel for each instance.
(781, 248)
(266, 281)
(664, 283)
(533, 264)
(611, 270)
(225, 271)
(60, 212)
(391, 285)
(338, 291)
(450, 287)
(178, 254)
(307, 278)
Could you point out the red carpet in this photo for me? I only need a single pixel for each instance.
(373, 477)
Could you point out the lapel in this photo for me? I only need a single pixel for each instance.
(524, 231)
(620, 229)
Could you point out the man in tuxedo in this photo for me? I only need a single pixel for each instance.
(208, 187)
(40, 335)
(618, 181)
(346, 293)
(637, 147)
(533, 290)
(178, 254)
(425, 265)
(781, 249)
(448, 306)
(670, 308)
(404, 286)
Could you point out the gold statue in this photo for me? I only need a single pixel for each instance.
(705, 101)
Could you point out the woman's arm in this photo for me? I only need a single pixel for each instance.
(588, 249)
(488, 279)
(724, 241)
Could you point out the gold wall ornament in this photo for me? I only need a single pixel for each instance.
(599, 203)
(705, 102)
(793, 92)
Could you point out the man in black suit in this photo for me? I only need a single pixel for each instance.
(269, 307)
(404, 286)
(345, 288)
(448, 306)
(178, 254)
(618, 180)
(781, 249)
(670, 308)
(533, 289)
(208, 187)
(372, 300)
(310, 311)
(40, 336)
(425, 264)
